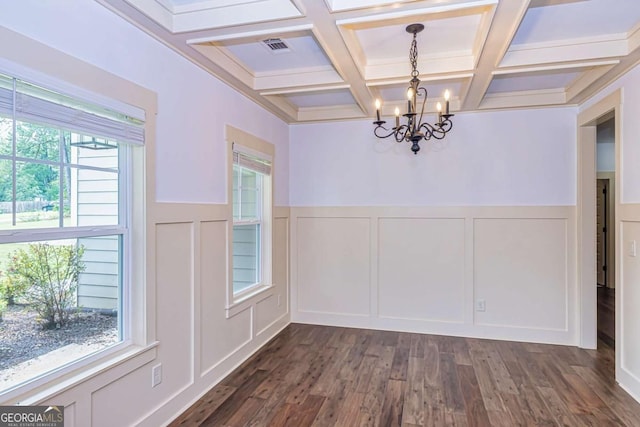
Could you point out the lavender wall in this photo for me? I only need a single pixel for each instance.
(523, 157)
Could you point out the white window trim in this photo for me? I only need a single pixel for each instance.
(23, 57)
(251, 145)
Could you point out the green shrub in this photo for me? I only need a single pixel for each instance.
(12, 287)
(49, 275)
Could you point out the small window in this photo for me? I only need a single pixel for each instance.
(251, 219)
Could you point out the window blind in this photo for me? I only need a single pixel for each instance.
(42, 106)
(251, 160)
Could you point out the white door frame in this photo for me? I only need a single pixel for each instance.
(586, 217)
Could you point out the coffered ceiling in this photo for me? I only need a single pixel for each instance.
(313, 60)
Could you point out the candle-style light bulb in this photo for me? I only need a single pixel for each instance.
(409, 98)
(378, 109)
(397, 117)
(439, 108)
(446, 98)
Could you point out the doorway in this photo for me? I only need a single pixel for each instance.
(608, 108)
(605, 225)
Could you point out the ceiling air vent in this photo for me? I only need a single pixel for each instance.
(276, 45)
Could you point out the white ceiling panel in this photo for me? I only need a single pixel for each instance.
(577, 19)
(303, 52)
(441, 37)
(532, 81)
(321, 99)
(187, 15)
(341, 5)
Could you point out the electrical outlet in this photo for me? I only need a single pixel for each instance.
(279, 302)
(156, 375)
(632, 248)
(481, 305)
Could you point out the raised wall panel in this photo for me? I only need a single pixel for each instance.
(520, 271)
(421, 268)
(174, 273)
(219, 336)
(70, 415)
(333, 264)
(111, 405)
(266, 312)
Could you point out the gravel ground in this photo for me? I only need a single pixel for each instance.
(22, 338)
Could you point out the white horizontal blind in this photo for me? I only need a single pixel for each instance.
(42, 106)
(251, 160)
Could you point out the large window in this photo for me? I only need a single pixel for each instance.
(251, 219)
(65, 231)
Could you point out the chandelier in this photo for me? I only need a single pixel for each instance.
(414, 130)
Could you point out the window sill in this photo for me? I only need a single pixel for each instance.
(245, 300)
(41, 388)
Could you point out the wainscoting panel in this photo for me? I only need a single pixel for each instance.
(520, 272)
(502, 272)
(175, 289)
(265, 313)
(421, 269)
(70, 415)
(333, 262)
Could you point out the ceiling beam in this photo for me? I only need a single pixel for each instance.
(331, 41)
(505, 23)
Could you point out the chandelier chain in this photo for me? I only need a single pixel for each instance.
(413, 57)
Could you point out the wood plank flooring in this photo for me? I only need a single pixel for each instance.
(325, 376)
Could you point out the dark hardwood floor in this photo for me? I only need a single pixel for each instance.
(607, 315)
(327, 376)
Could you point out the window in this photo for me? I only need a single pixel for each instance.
(65, 233)
(251, 220)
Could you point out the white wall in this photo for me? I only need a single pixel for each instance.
(198, 341)
(605, 147)
(193, 107)
(524, 157)
(605, 157)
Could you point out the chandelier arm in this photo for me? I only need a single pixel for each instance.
(400, 133)
(446, 125)
(431, 131)
(378, 127)
(424, 102)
